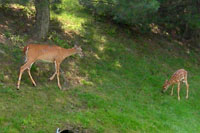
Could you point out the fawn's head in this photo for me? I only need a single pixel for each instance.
(165, 86)
(79, 50)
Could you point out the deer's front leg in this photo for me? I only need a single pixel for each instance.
(58, 73)
(178, 91)
(52, 77)
(172, 90)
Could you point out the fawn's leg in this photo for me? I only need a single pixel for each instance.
(178, 90)
(187, 85)
(52, 77)
(172, 90)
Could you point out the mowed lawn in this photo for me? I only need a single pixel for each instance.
(115, 88)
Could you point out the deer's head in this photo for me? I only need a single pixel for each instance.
(165, 86)
(79, 50)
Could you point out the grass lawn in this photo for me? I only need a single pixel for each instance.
(114, 88)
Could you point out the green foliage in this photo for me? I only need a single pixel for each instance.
(1, 76)
(179, 18)
(23, 2)
(16, 39)
(182, 16)
(56, 38)
(135, 12)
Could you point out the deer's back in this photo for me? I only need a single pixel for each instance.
(43, 52)
(178, 76)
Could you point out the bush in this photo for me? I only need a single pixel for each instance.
(129, 12)
(181, 17)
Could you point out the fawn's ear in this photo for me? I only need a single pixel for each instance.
(75, 46)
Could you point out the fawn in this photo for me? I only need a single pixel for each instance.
(178, 77)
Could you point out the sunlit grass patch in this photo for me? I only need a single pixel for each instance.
(72, 16)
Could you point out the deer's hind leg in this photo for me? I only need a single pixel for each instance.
(172, 90)
(187, 85)
(29, 73)
(187, 88)
(178, 91)
(27, 65)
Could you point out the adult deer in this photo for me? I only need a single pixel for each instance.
(178, 77)
(48, 53)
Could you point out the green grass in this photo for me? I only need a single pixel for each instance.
(121, 77)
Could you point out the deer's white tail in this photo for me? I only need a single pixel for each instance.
(25, 52)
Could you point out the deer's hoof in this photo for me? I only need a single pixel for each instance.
(17, 87)
(50, 79)
(60, 88)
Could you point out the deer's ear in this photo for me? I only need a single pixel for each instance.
(75, 46)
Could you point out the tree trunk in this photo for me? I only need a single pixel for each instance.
(42, 18)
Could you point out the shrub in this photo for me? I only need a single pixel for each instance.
(129, 12)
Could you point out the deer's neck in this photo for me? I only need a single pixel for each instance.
(69, 52)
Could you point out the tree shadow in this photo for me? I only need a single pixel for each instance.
(17, 20)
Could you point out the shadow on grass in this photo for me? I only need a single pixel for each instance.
(16, 20)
